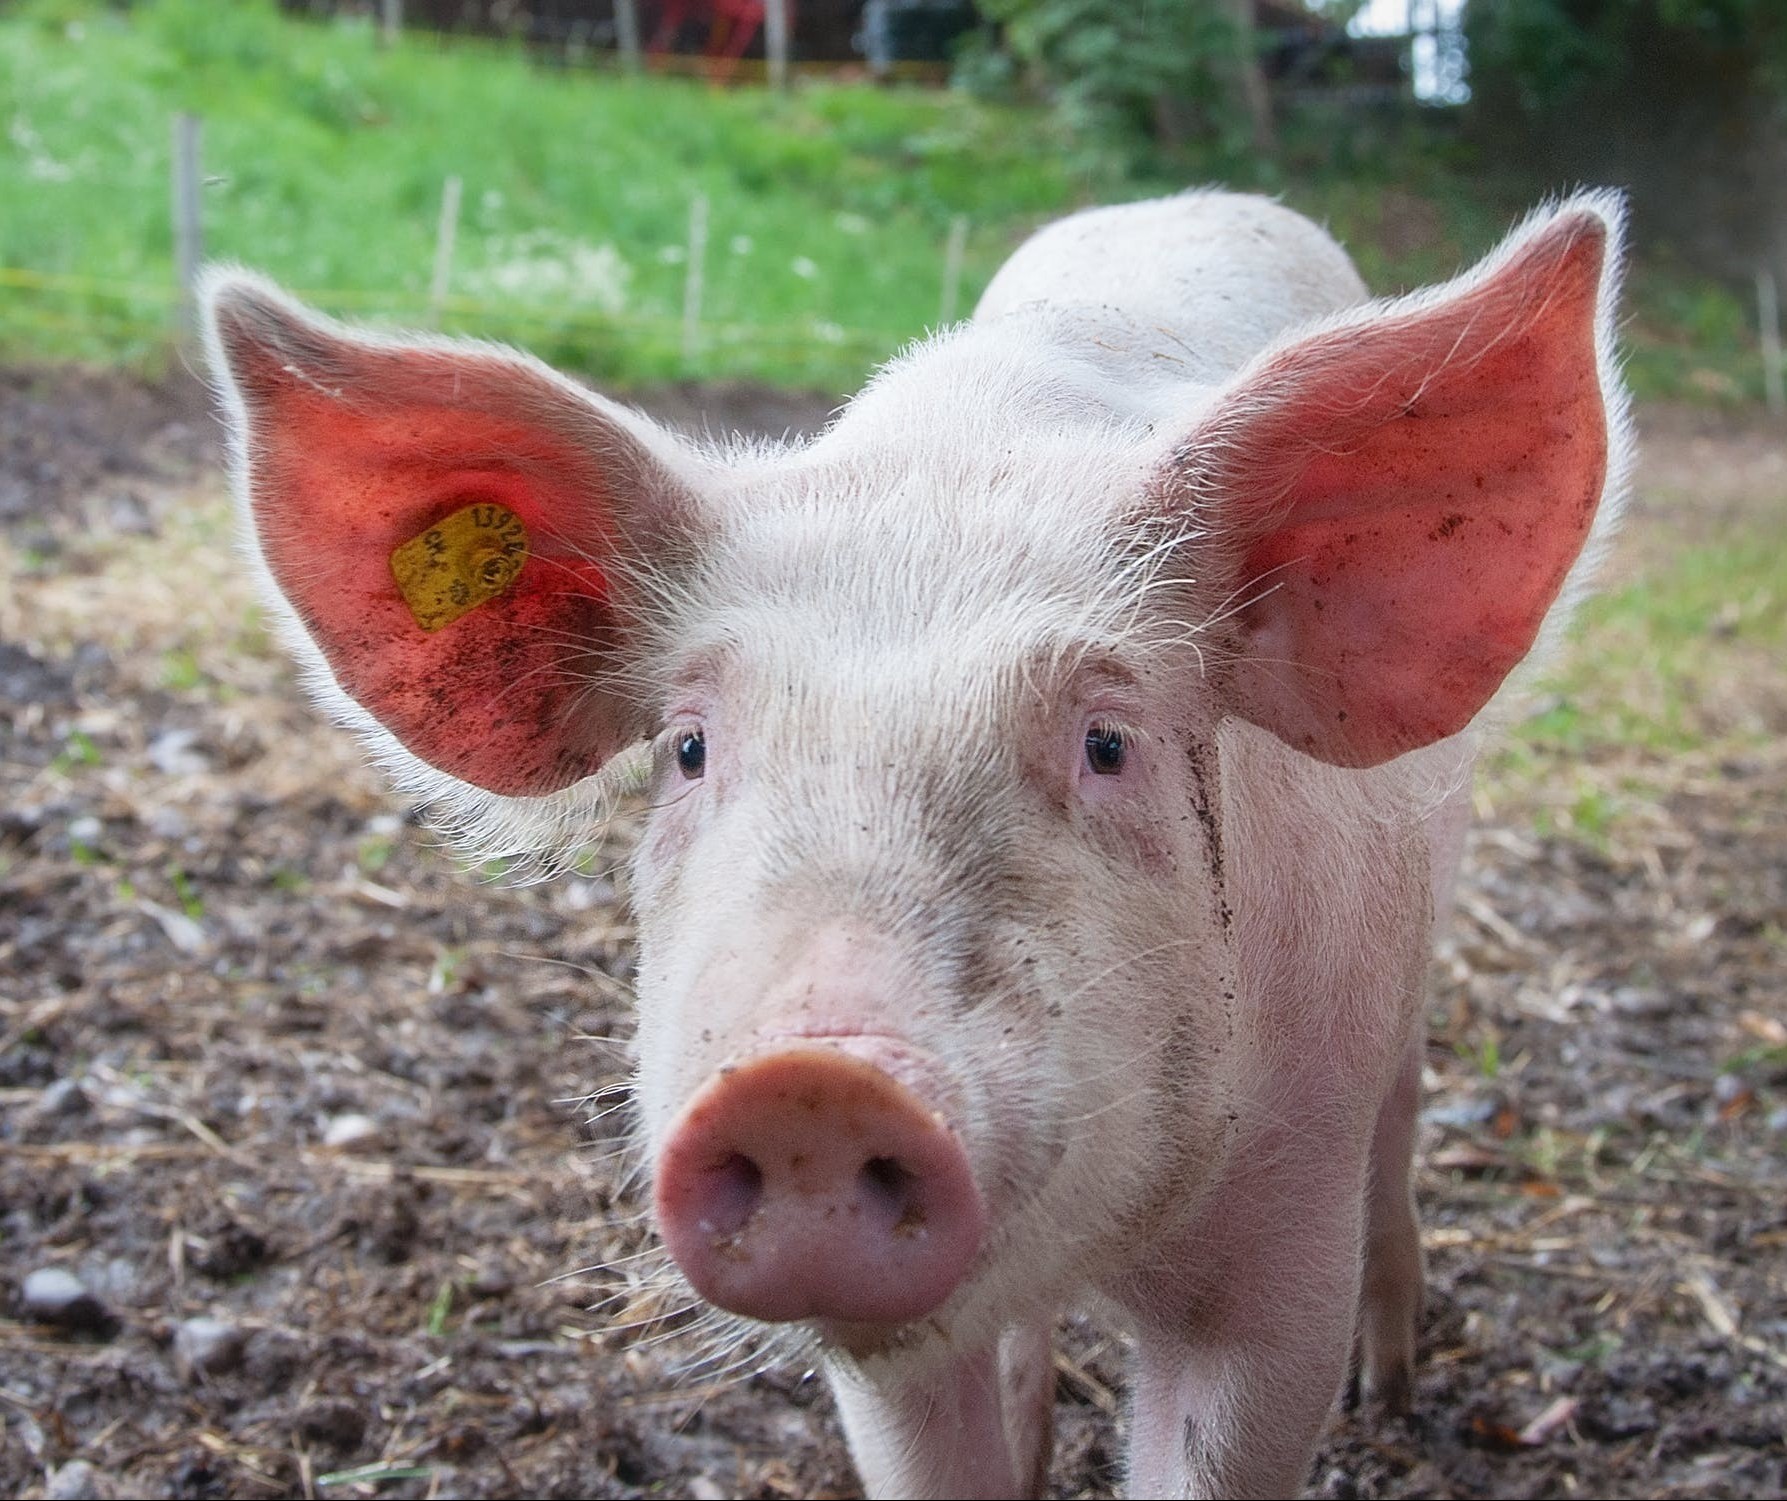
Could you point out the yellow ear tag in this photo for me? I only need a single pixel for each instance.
(459, 563)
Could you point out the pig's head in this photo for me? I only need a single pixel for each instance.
(938, 980)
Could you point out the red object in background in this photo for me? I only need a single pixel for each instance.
(732, 27)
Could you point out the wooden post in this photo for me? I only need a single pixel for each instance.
(775, 41)
(189, 235)
(576, 44)
(693, 278)
(952, 269)
(390, 22)
(444, 237)
(626, 33)
(1249, 78)
(1768, 321)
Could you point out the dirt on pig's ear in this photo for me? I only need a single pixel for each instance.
(1401, 497)
(452, 528)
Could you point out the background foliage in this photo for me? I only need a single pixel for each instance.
(829, 206)
(1116, 70)
(1683, 101)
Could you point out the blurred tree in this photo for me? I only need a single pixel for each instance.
(1684, 101)
(1162, 70)
(1248, 79)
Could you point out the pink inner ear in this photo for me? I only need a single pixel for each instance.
(1435, 477)
(502, 697)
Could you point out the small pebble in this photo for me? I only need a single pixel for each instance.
(54, 1296)
(349, 1130)
(64, 1097)
(168, 823)
(77, 1481)
(1464, 1114)
(126, 513)
(332, 1421)
(22, 817)
(86, 830)
(492, 1282)
(208, 1347)
(182, 931)
(1639, 1002)
(175, 753)
(582, 895)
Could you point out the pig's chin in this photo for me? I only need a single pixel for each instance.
(964, 1323)
(865, 1343)
(974, 1318)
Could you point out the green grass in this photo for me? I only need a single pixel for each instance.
(1670, 669)
(1663, 662)
(828, 206)
(325, 159)
(1690, 339)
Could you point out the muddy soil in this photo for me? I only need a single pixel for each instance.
(314, 1132)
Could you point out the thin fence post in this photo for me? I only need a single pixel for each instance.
(626, 33)
(445, 234)
(952, 269)
(576, 44)
(775, 41)
(1768, 321)
(390, 22)
(189, 238)
(692, 281)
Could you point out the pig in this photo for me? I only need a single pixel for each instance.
(1057, 768)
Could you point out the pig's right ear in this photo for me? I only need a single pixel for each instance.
(1395, 501)
(451, 525)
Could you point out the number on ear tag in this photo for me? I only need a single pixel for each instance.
(462, 561)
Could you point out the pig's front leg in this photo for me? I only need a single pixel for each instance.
(1243, 1338)
(976, 1427)
(1390, 1305)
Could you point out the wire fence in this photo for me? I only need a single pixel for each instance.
(55, 314)
(93, 315)
(44, 310)
(151, 309)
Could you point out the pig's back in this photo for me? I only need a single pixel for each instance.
(1187, 287)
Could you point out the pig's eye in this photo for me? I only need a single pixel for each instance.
(691, 754)
(1104, 750)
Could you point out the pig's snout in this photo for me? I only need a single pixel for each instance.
(809, 1183)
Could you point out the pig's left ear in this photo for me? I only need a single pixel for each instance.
(1408, 489)
(453, 528)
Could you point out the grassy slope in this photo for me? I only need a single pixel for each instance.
(828, 208)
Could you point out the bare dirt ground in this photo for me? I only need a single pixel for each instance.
(317, 1123)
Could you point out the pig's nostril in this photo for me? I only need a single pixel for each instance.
(890, 1188)
(733, 1191)
(885, 1177)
